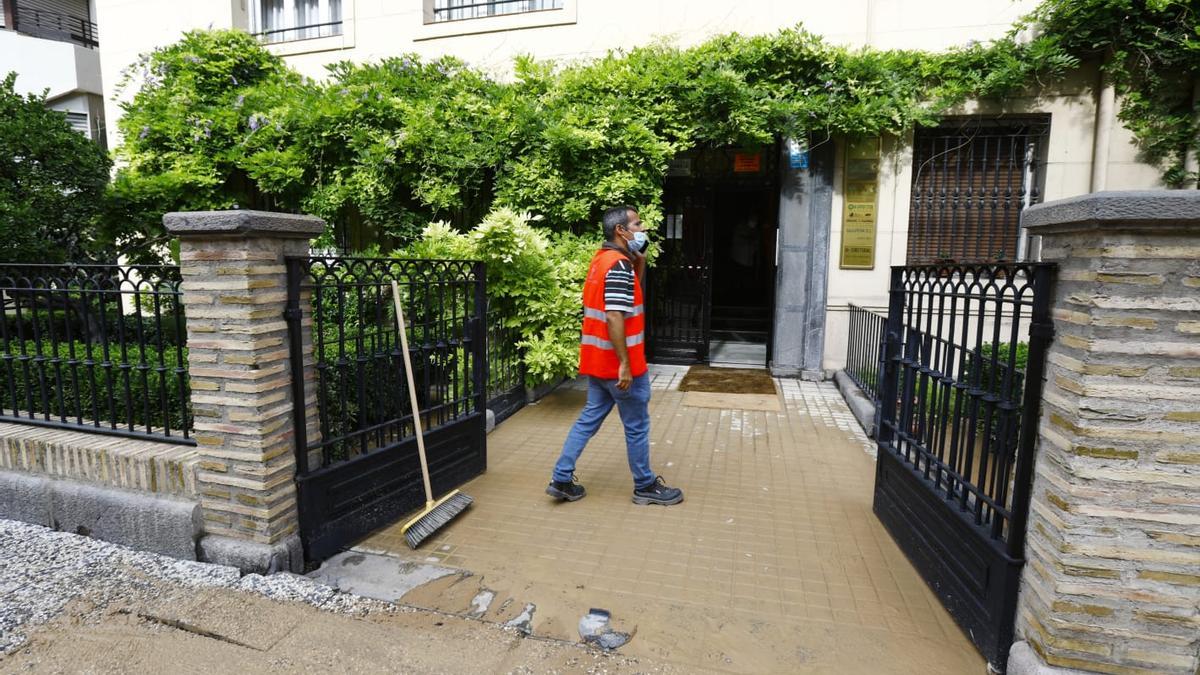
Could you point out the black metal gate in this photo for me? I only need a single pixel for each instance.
(679, 285)
(679, 312)
(356, 454)
(957, 430)
(506, 369)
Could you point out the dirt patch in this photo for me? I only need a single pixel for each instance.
(205, 634)
(728, 380)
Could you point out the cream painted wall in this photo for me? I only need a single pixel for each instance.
(374, 29)
(41, 64)
(1068, 171)
(589, 28)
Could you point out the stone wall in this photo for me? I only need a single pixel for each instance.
(1112, 582)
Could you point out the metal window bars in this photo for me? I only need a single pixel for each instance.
(457, 10)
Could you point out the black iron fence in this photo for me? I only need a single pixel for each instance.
(864, 349)
(53, 25)
(362, 395)
(95, 347)
(362, 473)
(505, 368)
(964, 357)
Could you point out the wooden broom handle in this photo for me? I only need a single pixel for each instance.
(412, 392)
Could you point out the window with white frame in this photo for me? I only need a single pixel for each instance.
(286, 20)
(457, 10)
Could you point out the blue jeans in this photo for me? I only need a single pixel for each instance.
(633, 404)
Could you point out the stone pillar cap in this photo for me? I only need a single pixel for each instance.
(1116, 210)
(243, 223)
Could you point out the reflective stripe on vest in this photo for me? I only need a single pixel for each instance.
(603, 316)
(594, 341)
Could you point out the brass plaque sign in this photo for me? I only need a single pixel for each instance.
(860, 191)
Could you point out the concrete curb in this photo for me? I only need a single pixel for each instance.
(164, 525)
(862, 407)
(252, 557)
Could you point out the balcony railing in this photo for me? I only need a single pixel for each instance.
(56, 26)
(457, 10)
(306, 32)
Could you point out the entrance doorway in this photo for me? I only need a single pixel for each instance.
(712, 289)
(743, 262)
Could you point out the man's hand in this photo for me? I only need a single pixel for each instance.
(616, 334)
(624, 377)
(639, 264)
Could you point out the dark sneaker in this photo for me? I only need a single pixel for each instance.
(657, 493)
(571, 492)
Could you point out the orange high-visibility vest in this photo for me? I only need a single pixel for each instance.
(596, 354)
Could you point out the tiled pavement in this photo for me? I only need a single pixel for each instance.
(774, 563)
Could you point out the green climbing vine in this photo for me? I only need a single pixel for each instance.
(382, 149)
(1150, 51)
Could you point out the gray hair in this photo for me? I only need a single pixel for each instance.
(615, 216)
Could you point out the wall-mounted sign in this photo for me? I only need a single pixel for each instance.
(747, 162)
(797, 154)
(860, 196)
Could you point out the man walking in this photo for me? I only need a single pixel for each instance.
(612, 354)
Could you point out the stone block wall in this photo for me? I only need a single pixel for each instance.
(1112, 580)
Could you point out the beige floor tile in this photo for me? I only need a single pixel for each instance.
(776, 529)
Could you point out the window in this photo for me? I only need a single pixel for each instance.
(456, 10)
(287, 20)
(972, 178)
(79, 122)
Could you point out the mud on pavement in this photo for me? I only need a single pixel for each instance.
(73, 604)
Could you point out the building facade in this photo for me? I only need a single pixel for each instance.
(53, 46)
(786, 238)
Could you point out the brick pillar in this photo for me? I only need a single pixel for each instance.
(234, 296)
(1112, 582)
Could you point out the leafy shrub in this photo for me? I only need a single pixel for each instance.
(534, 283)
(52, 182)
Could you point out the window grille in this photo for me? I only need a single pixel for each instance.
(971, 180)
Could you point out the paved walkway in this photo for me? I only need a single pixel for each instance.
(774, 563)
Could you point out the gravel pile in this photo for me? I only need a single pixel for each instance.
(41, 570)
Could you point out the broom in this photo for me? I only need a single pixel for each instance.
(436, 513)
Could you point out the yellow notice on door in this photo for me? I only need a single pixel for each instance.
(860, 187)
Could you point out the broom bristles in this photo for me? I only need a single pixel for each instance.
(420, 528)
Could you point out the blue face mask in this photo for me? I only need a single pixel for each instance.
(639, 242)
